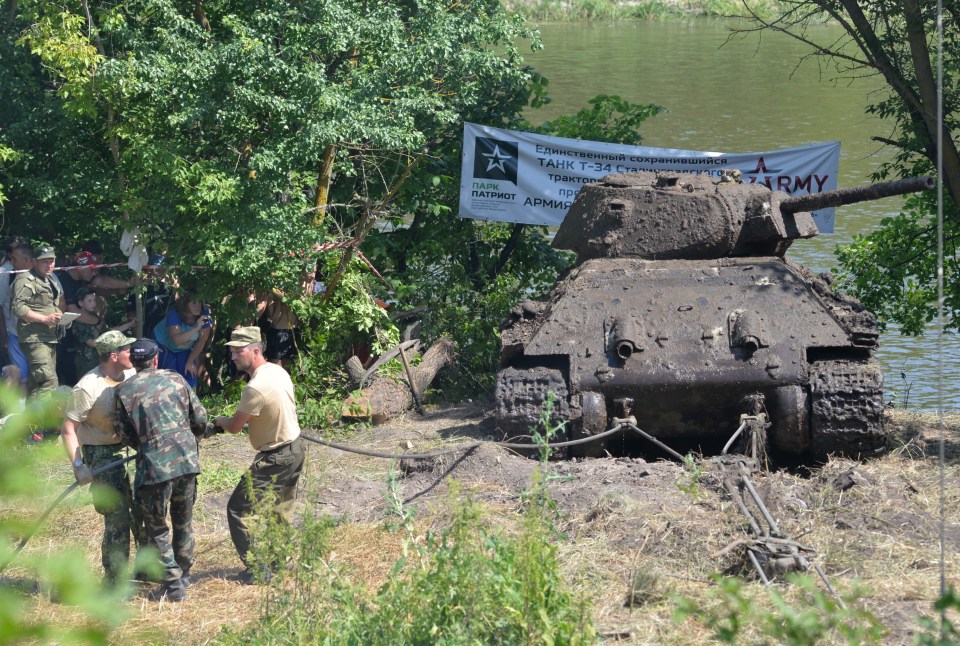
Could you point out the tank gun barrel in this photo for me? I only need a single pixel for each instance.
(852, 195)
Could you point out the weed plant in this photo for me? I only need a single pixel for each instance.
(64, 575)
(734, 617)
(944, 632)
(469, 583)
(217, 478)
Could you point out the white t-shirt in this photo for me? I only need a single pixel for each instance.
(269, 399)
(91, 407)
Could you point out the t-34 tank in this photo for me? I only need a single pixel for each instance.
(681, 308)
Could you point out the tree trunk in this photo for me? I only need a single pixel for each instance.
(927, 90)
(386, 398)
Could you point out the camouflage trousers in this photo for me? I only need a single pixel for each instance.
(113, 500)
(272, 473)
(176, 496)
(42, 367)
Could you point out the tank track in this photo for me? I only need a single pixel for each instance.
(521, 395)
(846, 409)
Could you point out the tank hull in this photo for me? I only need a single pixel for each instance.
(685, 341)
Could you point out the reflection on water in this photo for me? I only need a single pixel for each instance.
(747, 95)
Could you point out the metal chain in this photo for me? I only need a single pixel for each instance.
(770, 550)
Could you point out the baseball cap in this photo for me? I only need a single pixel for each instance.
(111, 341)
(144, 349)
(44, 253)
(244, 336)
(84, 258)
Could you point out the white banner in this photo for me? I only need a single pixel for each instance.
(513, 176)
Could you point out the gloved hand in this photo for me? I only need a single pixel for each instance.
(83, 474)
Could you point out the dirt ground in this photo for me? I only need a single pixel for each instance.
(875, 526)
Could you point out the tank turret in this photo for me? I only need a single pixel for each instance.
(683, 313)
(674, 216)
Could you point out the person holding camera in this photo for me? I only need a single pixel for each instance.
(183, 336)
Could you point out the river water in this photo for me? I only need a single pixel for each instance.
(748, 95)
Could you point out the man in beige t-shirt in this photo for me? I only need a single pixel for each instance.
(91, 442)
(267, 404)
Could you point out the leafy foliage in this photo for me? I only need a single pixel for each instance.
(892, 269)
(469, 583)
(212, 127)
(610, 119)
(64, 574)
(734, 618)
(943, 632)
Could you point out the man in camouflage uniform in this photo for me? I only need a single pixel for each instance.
(91, 442)
(38, 304)
(158, 413)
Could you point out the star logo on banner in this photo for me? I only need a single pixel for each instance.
(496, 159)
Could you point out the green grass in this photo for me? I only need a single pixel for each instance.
(217, 478)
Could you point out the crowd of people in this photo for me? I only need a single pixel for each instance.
(139, 392)
(55, 305)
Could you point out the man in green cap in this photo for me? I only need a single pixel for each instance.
(92, 442)
(38, 304)
(267, 404)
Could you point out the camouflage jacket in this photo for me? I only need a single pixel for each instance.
(157, 413)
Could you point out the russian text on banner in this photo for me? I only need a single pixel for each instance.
(512, 176)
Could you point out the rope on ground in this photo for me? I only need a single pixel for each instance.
(66, 492)
(621, 426)
(769, 546)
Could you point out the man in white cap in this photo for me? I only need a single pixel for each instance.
(92, 442)
(267, 404)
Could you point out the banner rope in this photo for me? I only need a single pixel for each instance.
(316, 248)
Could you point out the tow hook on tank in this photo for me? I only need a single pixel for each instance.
(745, 331)
(623, 335)
(753, 429)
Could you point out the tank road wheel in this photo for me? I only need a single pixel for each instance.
(593, 421)
(520, 397)
(846, 409)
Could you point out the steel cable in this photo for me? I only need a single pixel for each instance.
(53, 505)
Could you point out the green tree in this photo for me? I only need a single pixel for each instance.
(893, 269)
(233, 134)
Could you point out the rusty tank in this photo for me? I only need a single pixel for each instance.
(682, 311)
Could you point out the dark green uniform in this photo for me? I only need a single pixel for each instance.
(38, 342)
(111, 499)
(85, 358)
(158, 413)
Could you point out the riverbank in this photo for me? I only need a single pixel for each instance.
(569, 10)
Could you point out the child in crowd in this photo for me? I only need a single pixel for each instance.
(85, 353)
